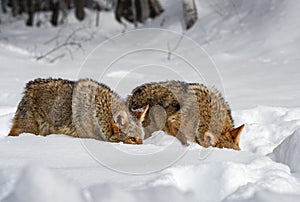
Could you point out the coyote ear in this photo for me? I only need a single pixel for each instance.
(236, 133)
(211, 138)
(140, 113)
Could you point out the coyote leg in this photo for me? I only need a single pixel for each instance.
(173, 129)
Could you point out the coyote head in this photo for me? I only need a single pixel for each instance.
(128, 128)
(229, 139)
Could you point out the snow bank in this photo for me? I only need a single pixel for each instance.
(263, 196)
(38, 184)
(288, 152)
(266, 127)
(229, 181)
(199, 181)
(112, 193)
(5, 123)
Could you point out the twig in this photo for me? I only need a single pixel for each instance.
(73, 33)
(56, 58)
(68, 42)
(175, 48)
(54, 38)
(59, 47)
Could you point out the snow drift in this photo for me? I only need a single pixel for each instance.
(288, 152)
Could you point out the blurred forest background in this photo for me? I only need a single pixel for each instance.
(133, 11)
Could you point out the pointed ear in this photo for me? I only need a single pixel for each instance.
(210, 138)
(236, 133)
(140, 113)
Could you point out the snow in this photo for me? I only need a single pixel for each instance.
(249, 50)
(35, 179)
(288, 152)
(266, 127)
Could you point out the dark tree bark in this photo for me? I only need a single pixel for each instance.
(79, 9)
(15, 7)
(137, 10)
(55, 12)
(155, 8)
(119, 10)
(143, 12)
(68, 4)
(30, 12)
(3, 6)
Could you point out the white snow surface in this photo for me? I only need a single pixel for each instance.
(288, 152)
(254, 46)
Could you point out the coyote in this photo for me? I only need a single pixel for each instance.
(188, 111)
(84, 109)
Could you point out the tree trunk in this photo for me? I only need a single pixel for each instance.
(137, 10)
(15, 7)
(68, 4)
(30, 11)
(155, 8)
(143, 12)
(55, 12)
(3, 5)
(134, 11)
(79, 9)
(190, 13)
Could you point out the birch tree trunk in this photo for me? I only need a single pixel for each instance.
(190, 13)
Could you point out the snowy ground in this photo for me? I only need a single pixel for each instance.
(254, 46)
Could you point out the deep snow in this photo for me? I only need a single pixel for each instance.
(253, 49)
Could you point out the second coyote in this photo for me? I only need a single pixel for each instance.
(189, 111)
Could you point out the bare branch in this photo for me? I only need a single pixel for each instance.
(170, 51)
(57, 48)
(68, 44)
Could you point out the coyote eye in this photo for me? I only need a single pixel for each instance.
(132, 139)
